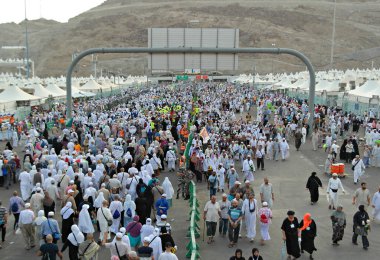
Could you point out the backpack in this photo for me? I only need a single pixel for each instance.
(129, 212)
(14, 207)
(116, 214)
(46, 256)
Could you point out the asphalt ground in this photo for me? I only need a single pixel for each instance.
(288, 179)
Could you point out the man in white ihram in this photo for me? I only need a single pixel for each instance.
(332, 190)
(358, 167)
(248, 168)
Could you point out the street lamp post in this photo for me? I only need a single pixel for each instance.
(26, 44)
(333, 37)
(273, 45)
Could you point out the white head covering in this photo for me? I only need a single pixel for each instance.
(75, 237)
(129, 204)
(66, 211)
(41, 218)
(85, 223)
(99, 200)
(168, 188)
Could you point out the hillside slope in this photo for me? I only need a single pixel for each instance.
(302, 25)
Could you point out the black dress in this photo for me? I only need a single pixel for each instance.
(307, 236)
(73, 250)
(313, 184)
(291, 234)
(66, 227)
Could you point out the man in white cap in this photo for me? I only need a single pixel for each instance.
(145, 252)
(69, 198)
(332, 189)
(156, 243)
(225, 205)
(171, 158)
(118, 248)
(36, 201)
(50, 227)
(248, 168)
(334, 149)
(26, 225)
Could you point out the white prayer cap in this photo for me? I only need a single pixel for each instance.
(265, 204)
(72, 182)
(247, 181)
(237, 182)
(164, 195)
(119, 235)
(27, 205)
(70, 190)
(335, 175)
(146, 239)
(38, 189)
(51, 214)
(163, 216)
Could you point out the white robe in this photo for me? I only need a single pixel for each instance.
(250, 217)
(115, 205)
(376, 156)
(376, 204)
(103, 222)
(85, 223)
(220, 173)
(25, 185)
(358, 169)
(156, 245)
(248, 169)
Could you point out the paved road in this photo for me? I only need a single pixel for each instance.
(288, 179)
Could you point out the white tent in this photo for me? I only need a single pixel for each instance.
(76, 93)
(57, 92)
(91, 85)
(14, 93)
(42, 92)
(368, 89)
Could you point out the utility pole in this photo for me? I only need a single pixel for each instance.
(333, 37)
(26, 44)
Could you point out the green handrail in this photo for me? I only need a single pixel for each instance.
(193, 231)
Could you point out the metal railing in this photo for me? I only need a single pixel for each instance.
(193, 230)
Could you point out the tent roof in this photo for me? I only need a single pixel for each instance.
(40, 91)
(368, 89)
(14, 93)
(57, 92)
(91, 85)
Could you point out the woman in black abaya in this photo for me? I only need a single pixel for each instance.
(67, 214)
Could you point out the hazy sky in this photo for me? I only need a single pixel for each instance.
(59, 10)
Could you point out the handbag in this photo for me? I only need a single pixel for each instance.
(109, 221)
(353, 166)
(124, 257)
(56, 235)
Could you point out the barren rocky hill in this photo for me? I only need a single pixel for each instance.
(305, 25)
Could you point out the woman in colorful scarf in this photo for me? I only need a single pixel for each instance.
(308, 233)
(133, 229)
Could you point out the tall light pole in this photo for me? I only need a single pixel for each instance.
(26, 44)
(333, 37)
(273, 45)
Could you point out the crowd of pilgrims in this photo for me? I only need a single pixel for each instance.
(102, 170)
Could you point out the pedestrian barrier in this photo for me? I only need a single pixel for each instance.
(193, 230)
